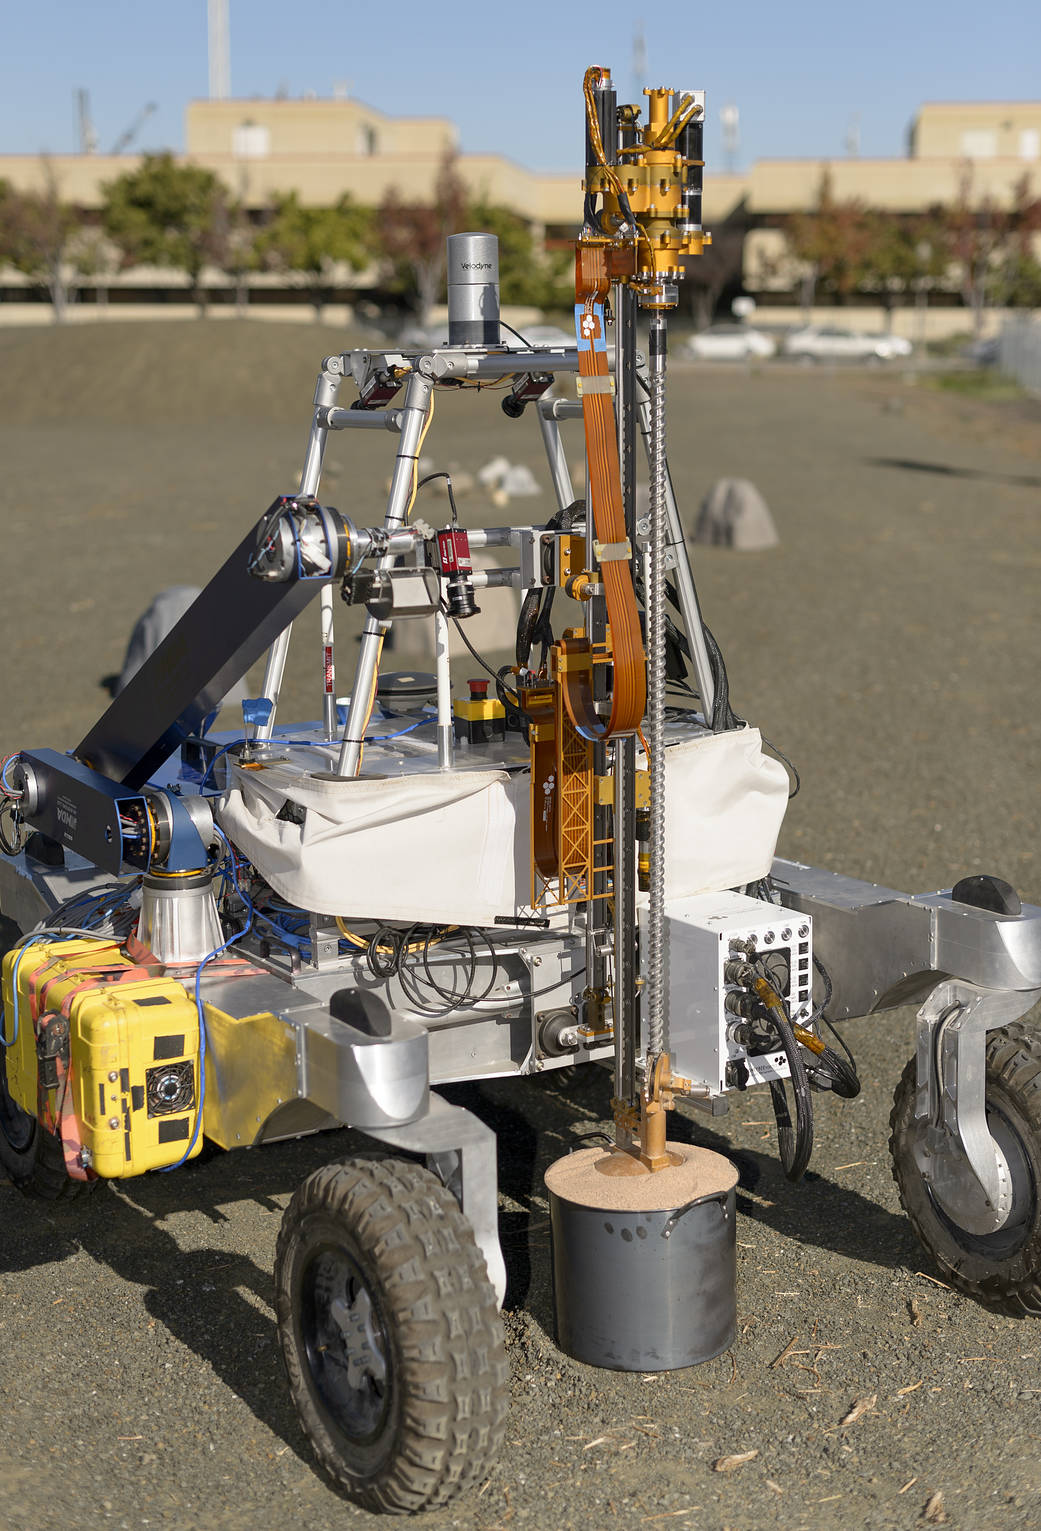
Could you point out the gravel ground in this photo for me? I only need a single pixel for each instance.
(889, 645)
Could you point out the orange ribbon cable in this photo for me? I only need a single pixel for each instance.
(612, 548)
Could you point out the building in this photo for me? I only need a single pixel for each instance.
(322, 148)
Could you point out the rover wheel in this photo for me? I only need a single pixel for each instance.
(30, 1157)
(1001, 1268)
(390, 1333)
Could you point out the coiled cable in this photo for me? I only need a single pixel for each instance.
(794, 1145)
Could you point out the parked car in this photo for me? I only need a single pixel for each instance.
(827, 343)
(419, 337)
(983, 353)
(730, 342)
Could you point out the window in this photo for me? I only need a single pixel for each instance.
(1030, 143)
(368, 139)
(251, 140)
(980, 143)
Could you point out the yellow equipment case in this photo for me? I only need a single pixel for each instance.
(106, 1055)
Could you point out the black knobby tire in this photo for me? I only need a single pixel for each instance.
(30, 1157)
(1002, 1269)
(390, 1333)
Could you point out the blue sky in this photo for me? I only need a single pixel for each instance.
(509, 74)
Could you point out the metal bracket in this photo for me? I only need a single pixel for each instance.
(964, 1168)
(461, 1150)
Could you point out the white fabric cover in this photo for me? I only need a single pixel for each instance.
(724, 804)
(452, 847)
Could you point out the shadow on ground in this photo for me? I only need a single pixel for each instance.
(217, 1301)
(910, 465)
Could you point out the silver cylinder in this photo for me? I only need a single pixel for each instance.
(179, 921)
(473, 290)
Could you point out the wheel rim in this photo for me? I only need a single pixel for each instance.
(345, 1344)
(1007, 1240)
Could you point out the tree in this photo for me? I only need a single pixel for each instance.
(165, 214)
(35, 230)
(527, 275)
(314, 240)
(1020, 282)
(411, 235)
(992, 246)
(903, 257)
(719, 266)
(92, 255)
(831, 243)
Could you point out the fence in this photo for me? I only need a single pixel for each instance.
(1019, 352)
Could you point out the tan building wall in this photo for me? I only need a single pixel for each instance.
(323, 148)
(898, 185)
(257, 128)
(978, 130)
(78, 177)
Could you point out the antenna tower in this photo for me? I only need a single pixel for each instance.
(639, 62)
(88, 137)
(220, 64)
(730, 122)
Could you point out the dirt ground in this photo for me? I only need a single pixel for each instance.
(889, 645)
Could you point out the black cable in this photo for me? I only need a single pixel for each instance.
(723, 715)
(490, 985)
(384, 964)
(411, 981)
(451, 493)
(948, 1014)
(590, 216)
(838, 1074)
(818, 1013)
(538, 993)
(482, 662)
(527, 623)
(504, 326)
(828, 1071)
(515, 714)
(783, 758)
(794, 1148)
(534, 623)
(10, 847)
(825, 1069)
(405, 955)
(516, 718)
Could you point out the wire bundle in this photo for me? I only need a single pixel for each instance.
(406, 956)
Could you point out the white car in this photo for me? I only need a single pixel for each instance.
(827, 343)
(730, 342)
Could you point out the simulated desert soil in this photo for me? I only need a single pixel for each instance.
(889, 645)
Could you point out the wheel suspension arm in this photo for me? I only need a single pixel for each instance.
(965, 1169)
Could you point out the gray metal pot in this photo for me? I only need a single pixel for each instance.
(638, 1290)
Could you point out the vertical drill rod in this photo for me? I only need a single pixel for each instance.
(656, 993)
